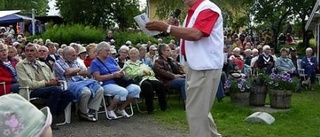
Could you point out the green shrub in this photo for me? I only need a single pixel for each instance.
(136, 37)
(71, 33)
(312, 43)
(300, 49)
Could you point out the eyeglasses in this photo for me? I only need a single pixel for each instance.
(2, 50)
(41, 50)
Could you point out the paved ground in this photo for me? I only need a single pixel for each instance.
(139, 125)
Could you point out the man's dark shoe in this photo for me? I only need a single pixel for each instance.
(86, 117)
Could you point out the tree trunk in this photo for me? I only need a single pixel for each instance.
(276, 30)
(304, 34)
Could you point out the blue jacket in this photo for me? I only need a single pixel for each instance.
(309, 67)
(76, 87)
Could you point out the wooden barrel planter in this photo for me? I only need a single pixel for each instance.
(240, 98)
(258, 96)
(280, 98)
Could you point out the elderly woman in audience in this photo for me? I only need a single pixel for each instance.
(42, 56)
(144, 75)
(82, 53)
(255, 56)
(284, 63)
(123, 55)
(52, 52)
(309, 64)
(236, 59)
(8, 72)
(104, 68)
(265, 60)
(91, 49)
(169, 71)
(18, 46)
(247, 61)
(13, 53)
(143, 58)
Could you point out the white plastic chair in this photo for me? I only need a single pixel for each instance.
(67, 110)
(109, 96)
(4, 87)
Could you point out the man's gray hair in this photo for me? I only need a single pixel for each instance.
(67, 50)
(32, 45)
(43, 47)
(102, 46)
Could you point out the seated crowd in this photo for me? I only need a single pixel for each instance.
(91, 72)
(251, 59)
(96, 70)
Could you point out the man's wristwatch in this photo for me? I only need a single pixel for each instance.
(169, 29)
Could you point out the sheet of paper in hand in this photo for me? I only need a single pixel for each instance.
(142, 19)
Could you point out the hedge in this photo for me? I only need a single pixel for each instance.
(65, 34)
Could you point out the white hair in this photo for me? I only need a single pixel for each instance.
(123, 47)
(309, 49)
(255, 50)
(265, 47)
(236, 49)
(43, 47)
(102, 46)
(247, 50)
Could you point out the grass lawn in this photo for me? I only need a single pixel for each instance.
(302, 120)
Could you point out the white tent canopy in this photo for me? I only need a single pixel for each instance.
(8, 12)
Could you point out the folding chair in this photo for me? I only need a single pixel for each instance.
(4, 87)
(67, 110)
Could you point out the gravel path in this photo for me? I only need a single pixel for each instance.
(139, 125)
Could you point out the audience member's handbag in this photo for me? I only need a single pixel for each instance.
(123, 81)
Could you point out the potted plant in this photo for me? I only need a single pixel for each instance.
(239, 89)
(258, 89)
(280, 88)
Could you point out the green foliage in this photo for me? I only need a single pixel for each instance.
(235, 12)
(100, 12)
(40, 6)
(135, 37)
(312, 43)
(300, 49)
(72, 33)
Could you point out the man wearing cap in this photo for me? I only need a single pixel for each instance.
(42, 83)
(152, 54)
(77, 48)
(113, 52)
(202, 51)
(293, 56)
(143, 58)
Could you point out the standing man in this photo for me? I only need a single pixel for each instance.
(202, 51)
